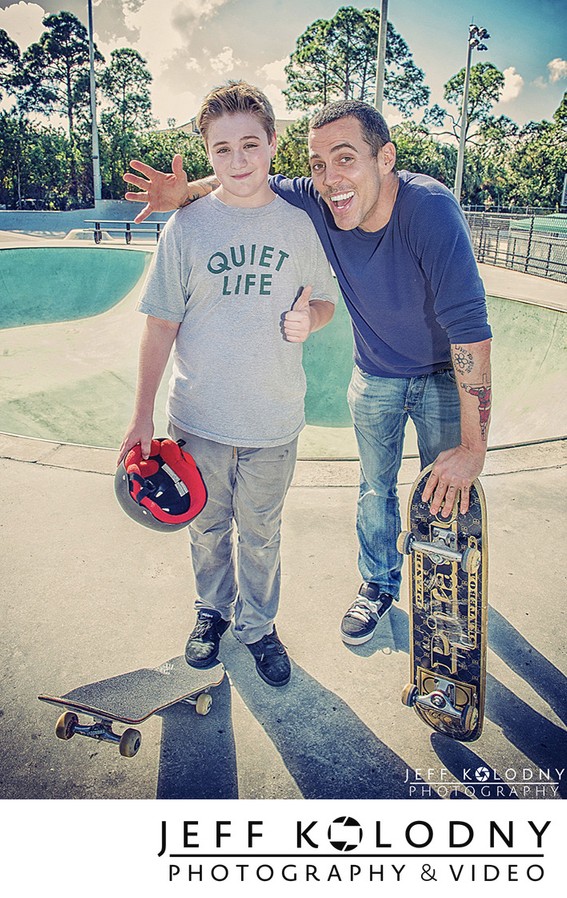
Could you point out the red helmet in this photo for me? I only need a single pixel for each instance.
(164, 491)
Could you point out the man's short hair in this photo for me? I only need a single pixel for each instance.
(234, 97)
(374, 128)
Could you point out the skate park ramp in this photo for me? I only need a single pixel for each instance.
(41, 285)
(70, 337)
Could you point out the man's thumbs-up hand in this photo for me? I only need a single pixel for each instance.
(297, 322)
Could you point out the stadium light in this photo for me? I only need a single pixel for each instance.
(381, 56)
(97, 187)
(476, 36)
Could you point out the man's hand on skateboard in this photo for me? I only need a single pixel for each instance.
(453, 474)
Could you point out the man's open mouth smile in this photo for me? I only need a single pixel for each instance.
(341, 200)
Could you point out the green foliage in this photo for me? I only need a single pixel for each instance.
(336, 59)
(538, 163)
(157, 148)
(52, 77)
(125, 86)
(34, 164)
(417, 151)
(292, 155)
(9, 60)
(485, 87)
(504, 164)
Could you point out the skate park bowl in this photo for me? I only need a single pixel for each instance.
(70, 335)
(49, 284)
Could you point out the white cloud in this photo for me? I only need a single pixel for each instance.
(513, 85)
(392, 115)
(224, 62)
(275, 71)
(169, 37)
(23, 23)
(557, 69)
(277, 99)
(271, 79)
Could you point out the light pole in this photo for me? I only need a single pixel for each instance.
(476, 36)
(381, 56)
(95, 149)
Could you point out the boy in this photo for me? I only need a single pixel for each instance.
(221, 290)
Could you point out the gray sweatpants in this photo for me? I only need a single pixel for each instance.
(235, 540)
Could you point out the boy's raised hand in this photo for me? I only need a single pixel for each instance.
(161, 191)
(297, 322)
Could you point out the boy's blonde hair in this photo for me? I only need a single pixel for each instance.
(233, 97)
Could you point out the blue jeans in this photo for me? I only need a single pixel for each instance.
(235, 540)
(380, 407)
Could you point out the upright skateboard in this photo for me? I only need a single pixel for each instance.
(448, 563)
(131, 698)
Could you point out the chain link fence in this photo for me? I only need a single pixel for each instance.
(534, 244)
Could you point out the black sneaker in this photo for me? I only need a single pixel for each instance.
(272, 662)
(369, 607)
(203, 644)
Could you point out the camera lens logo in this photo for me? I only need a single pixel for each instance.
(482, 774)
(345, 834)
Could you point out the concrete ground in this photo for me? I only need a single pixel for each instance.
(87, 594)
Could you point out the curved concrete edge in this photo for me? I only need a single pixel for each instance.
(315, 473)
(9, 240)
(519, 287)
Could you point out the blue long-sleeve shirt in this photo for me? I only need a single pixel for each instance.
(412, 288)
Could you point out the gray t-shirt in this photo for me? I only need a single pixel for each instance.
(228, 275)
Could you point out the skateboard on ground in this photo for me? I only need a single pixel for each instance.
(131, 698)
(448, 567)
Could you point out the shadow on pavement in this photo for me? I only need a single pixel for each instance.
(536, 736)
(198, 754)
(477, 778)
(528, 663)
(326, 748)
(331, 753)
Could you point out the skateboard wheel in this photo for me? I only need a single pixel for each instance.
(404, 542)
(468, 717)
(65, 726)
(470, 561)
(130, 742)
(203, 703)
(409, 695)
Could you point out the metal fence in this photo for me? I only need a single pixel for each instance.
(534, 244)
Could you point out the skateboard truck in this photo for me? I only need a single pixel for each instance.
(128, 743)
(439, 551)
(442, 700)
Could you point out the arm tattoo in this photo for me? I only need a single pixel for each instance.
(462, 359)
(212, 183)
(484, 394)
(190, 199)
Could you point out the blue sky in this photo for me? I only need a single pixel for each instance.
(193, 45)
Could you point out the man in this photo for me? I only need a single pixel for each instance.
(399, 245)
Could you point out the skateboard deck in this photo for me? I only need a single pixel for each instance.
(131, 698)
(448, 572)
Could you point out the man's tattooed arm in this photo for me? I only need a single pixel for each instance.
(455, 469)
(472, 367)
